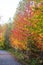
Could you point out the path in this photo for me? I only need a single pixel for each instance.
(7, 59)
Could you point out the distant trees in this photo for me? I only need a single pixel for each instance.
(6, 36)
(1, 37)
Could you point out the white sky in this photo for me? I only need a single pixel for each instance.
(7, 9)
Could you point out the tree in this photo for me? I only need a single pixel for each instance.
(27, 33)
(7, 34)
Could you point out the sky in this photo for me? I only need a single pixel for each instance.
(7, 10)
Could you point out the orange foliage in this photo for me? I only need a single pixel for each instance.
(24, 24)
(16, 43)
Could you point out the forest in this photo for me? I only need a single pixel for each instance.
(24, 36)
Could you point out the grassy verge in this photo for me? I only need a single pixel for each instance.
(23, 59)
(19, 56)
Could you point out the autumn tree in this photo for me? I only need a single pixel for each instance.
(27, 33)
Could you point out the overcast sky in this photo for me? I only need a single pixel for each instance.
(7, 9)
